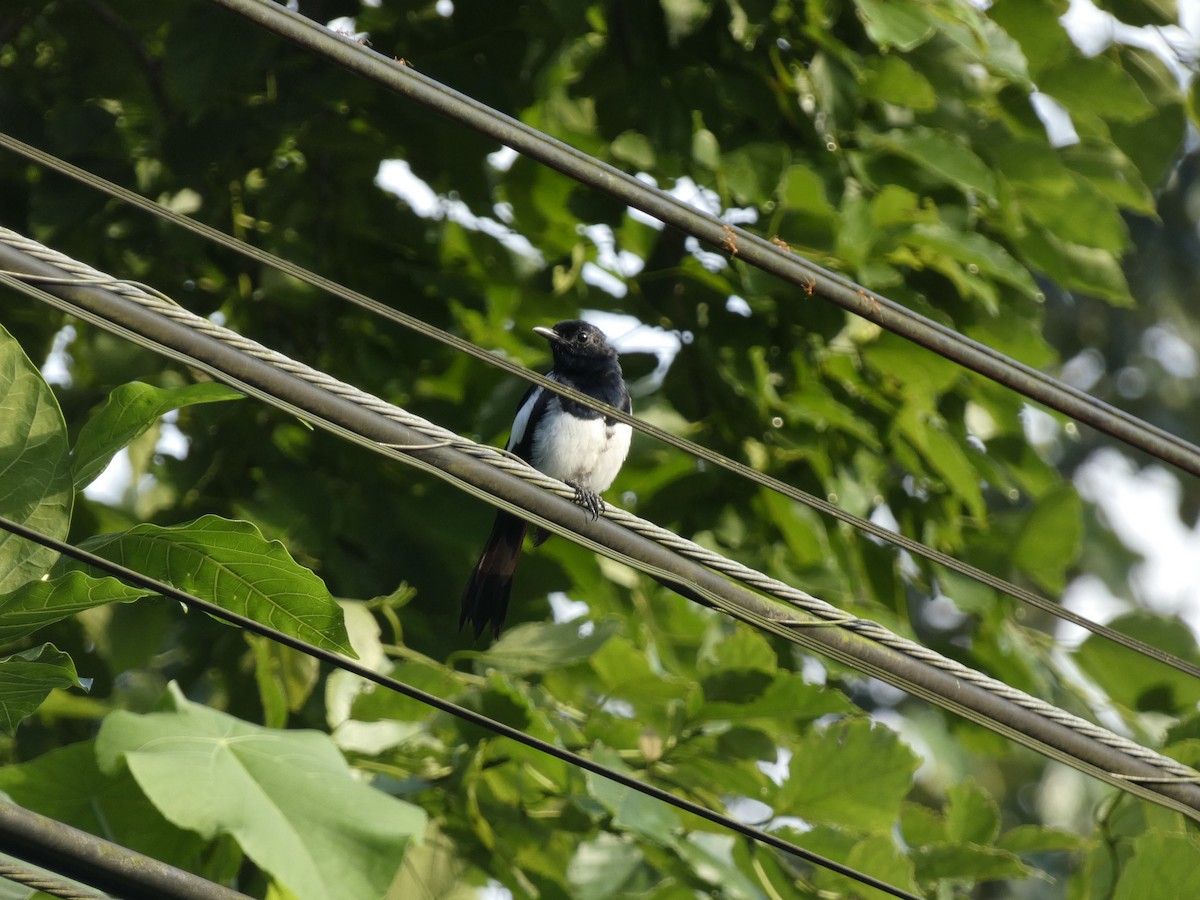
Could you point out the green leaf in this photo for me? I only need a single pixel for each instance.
(1112, 173)
(745, 650)
(602, 867)
(786, 699)
(1035, 25)
(231, 564)
(1096, 86)
(708, 856)
(1039, 839)
(538, 646)
(945, 455)
(941, 153)
(287, 797)
(924, 376)
(1089, 269)
(971, 815)
(625, 672)
(631, 810)
(876, 855)
(1135, 681)
(852, 773)
(285, 678)
(39, 603)
(967, 862)
(1051, 539)
(35, 465)
(635, 149)
(890, 79)
(66, 784)
(1152, 143)
(902, 24)
(803, 190)
(128, 412)
(974, 250)
(435, 867)
(27, 678)
(1163, 866)
(754, 171)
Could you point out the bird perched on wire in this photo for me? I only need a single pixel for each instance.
(564, 439)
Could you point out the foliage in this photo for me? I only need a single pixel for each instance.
(895, 142)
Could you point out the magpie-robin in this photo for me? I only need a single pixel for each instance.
(564, 439)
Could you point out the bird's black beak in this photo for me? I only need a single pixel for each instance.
(548, 333)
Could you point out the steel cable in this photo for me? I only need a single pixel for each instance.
(805, 620)
(461, 345)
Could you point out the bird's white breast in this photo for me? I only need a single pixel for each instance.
(584, 452)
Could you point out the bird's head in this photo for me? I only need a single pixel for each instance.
(576, 343)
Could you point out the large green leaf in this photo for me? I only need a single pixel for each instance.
(129, 411)
(27, 678)
(853, 773)
(35, 466)
(231, 564)
(287, 797)
(39, 603)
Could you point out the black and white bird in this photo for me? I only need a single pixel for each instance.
(564, 439)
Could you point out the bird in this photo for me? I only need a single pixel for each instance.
(565, 440)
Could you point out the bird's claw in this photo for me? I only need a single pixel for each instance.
(589, 500)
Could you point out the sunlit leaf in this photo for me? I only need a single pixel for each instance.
(231, 564)
(35, 468)
(129, 411)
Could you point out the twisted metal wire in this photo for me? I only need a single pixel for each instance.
(47, 884)
(825, 613)
(719, 460)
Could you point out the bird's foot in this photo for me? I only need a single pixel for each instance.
(589, 500)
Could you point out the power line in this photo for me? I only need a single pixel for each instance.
(130, 576)
(461, 345)
(686, 568)
(466, 111)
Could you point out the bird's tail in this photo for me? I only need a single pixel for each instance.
(485, 601)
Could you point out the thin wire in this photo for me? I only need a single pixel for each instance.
(1004, 709)
(130, 576)
(814, 280)
(461, 345)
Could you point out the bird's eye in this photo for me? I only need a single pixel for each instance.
(581, 338)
